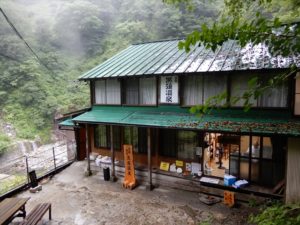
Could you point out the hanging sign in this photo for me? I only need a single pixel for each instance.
(169, 89)
(129, 180)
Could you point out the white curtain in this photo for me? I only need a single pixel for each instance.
(100, 95)
(274, 97)
(193, 90)
(214, 85)
(148, 91)
(239, 84)
(113, 92)
(132, 91)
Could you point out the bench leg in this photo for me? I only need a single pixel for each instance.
(50, 217)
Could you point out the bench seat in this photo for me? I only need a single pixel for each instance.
(37, 214)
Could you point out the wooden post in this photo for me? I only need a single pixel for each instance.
(113, 175)
(87, 148)
(149, 186)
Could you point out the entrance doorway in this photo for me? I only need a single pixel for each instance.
(216, 153)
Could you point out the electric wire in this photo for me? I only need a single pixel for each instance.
(25, 42)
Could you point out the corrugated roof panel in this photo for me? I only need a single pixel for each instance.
(172, 51)
(221, 57)
(157, 58)
(151, 59)
(188, 61)
(140, 59)
(177, 63)
(129, 61)
(168, 63)
(205, 65)
(198, 61)
(163, 57)
(109, 63)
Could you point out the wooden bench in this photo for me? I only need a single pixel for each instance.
(37, 214)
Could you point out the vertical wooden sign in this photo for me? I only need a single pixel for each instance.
(229, 198)
(129, 180)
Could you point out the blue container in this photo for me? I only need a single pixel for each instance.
(229, 180)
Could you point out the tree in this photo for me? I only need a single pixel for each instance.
(272, 22)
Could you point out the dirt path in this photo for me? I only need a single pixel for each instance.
(90, 200)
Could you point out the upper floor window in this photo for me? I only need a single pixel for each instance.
(297, 96)
(108, 92)
(140, 91)
(198, 89)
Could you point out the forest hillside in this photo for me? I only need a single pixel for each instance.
(68, 38)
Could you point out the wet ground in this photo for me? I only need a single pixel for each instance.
(81, 200)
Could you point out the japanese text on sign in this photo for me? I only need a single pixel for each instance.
(169, 89)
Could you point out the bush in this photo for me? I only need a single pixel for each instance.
(278, 214)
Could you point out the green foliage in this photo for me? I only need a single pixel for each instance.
(278, 214)
(11, 183)
(70, 38)
(4, 142)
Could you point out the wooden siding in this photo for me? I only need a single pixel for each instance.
(293, 171)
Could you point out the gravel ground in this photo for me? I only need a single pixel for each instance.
(81, 200)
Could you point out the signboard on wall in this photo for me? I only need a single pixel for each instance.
(169, 89)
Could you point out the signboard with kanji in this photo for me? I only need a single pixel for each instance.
(169, 89)
(129, 180)
(229, 198)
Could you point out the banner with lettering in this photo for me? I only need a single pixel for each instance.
(169, 89)
(129, 180)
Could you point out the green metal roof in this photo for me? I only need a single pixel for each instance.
(255, 122)
(164, 57)
(67, 123)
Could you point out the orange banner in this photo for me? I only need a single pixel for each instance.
(129, 180)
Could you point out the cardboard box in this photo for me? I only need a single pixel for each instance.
(229, 180)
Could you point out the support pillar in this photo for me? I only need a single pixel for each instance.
(113, 175)
(88, 171)
(149, 185)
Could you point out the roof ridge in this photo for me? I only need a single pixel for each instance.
(162, 40)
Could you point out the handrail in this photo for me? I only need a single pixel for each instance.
(17, 169)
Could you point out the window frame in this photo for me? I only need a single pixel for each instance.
(124, 86)
(105, 84)
(175, 134)
(108, 143)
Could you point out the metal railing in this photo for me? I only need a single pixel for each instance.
(15, 173)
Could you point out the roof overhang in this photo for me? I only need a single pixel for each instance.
(175, 117)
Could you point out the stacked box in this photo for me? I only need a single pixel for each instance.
(229, 180)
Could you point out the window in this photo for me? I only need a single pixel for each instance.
(193, 90)
(102, 137)
(108, 92)
(198, 89)
(187, 143)
(214, 85)
(137, 137)
(274, 97)
(178, 144)
(265, 164)
(239, 84)
(140, 91)
(167, 143)
(297, 95)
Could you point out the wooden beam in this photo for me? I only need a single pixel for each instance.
(149, 186)
(87, 148)
(113, 175)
